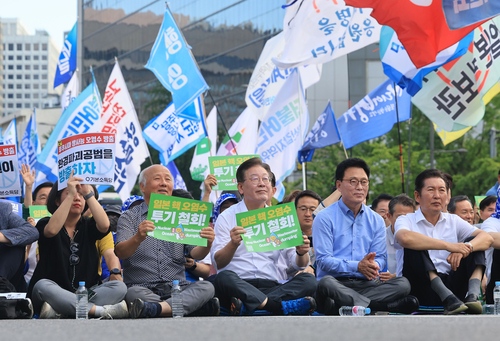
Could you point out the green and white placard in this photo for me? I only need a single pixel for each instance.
(224, 168)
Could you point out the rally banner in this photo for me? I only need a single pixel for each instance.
(399, 67)
(173, 64)
(224, 169)
(318, 32)
(267, 79)
(271, 228)
(205, 148)
(10, 184)
(10, 135)
(82, 116)
(374, 115)
(283, 129)
(242, 132)
(176, 175)
(67, 59)
(420, 25)
(71, 92)
(30, 144)
(178, 220)
(461, 13)
(38, 212)
(90, 156)
(452, 96)
(323, 133)
(119, 117)
(172, 135)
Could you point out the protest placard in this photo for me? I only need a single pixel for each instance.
(271, 228)
(17, 208)
(91, 156)
(38, 212)
(178, 220)
(224, 168)
(10, 186)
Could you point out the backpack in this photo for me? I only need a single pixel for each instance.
(13, 308)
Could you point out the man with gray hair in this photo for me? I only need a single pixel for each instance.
(462, 207)
(151, 265)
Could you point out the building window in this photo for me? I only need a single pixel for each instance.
(19, 57)
(27, 57)
(35, 47)
(44, 57)
(10, 105)
(10, 76)
(35, 67)
(27, 67)
(11, 57)
(44, 86)
(27, 47)
(44, 67)
(10, 86)
(35, 95)
(19, 95)
(27, 105)
(19, 105)
(10, 95)
(44, 76)
(27, 95)
(19, 47)
(35, 86)
(19, 67)
(27, 76)
(27, 86)
(35, 76)
(10, 67)
(44, 47)
(19, 76)
(19, 86)
(36, 57)
(11, 47)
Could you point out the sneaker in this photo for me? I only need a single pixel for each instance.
(25, 307)
(302, 306)
(330, 307)
(452, 305)
(405, 305)
(237, 307)
(115, 311)
(211, 308)
(48, 312)
(473, 304)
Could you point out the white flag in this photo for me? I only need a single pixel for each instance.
(71, 92)
(267, 79)
(283, 129)
(317, 32)
(10, 135)
(199, 165)
(243, 133)
(119, 117)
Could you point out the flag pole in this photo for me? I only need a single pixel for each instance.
(408, 167)
(399, 137)
(304, 174)
(223, 123)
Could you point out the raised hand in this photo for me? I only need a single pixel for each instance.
(28, 176)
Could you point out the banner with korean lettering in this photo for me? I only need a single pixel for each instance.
(38, 212)
(71, 92)
(178, 220)
(90, 156)
(282, 131)
(271, 228)
(374, 115)
(452, 96)
(82, 116)
(10, 184)
(67, 59)
(461, 13)
(173, 64)
(224, 169)
(267, 79)
(172, 135)
(242, 132)
(317, 32)
(30, 144)
(10, 135)
(119, 117)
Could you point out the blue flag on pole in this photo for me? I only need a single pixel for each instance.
(30, 144)
(67, 59)
(10, 135)
(461, 13)
(323, 133)
(173, 64)
(176, 175)
(374, 115)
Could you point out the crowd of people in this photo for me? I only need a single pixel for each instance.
(397, 255)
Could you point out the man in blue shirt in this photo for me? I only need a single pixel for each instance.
(493, 190)
(351, 250)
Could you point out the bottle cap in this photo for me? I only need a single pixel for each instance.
(368, 311)
(175, 282)
(82, 284)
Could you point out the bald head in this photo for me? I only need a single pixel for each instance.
(155, 179)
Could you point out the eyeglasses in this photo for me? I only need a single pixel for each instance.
(303, 209)
(74, 259)
(355, 182)
(256, 180)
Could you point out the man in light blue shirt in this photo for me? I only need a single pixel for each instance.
(493, 190)
(351, 249)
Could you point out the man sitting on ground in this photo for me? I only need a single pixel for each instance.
(462, 207)
(381, 206)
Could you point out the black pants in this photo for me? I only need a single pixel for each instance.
(12, 265)
(252, 292)
(417, 265)
(494, 276)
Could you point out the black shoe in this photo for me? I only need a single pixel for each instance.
(473, 304)
(236, 307)
(136, 308)
(452, 305)
(405, 305)
(330, 307)
(211, 308)
(24, 309)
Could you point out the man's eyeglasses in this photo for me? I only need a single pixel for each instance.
(303, 209)
(256, 180)
(74, 259)
(355, 182)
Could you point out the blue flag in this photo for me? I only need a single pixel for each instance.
(173, 64)
(30, 144)
(374, 115)
(176, 175)
(461, 13)
(323, 133)
(10, 135)
(67, 59)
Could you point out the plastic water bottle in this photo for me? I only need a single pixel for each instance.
(354, 311)
(177, 307)
(82, 300)
(496, 298)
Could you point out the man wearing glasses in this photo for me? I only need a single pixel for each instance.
(350, 248)
(247, 281)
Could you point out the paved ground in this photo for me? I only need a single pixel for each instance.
(384, 328)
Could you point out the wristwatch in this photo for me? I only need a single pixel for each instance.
(471, 247)
(193, 267)
(115, 271)
(88, 196)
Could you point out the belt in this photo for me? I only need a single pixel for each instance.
(349, 278)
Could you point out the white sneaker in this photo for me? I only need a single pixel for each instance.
(115, 311)
(48, 312)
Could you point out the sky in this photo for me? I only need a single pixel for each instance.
(53, 16)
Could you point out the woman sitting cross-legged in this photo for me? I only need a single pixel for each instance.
(68, 255)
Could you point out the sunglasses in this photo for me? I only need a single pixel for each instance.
(74, 259)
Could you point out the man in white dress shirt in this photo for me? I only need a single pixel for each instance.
(443, 255)
(247, 281)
